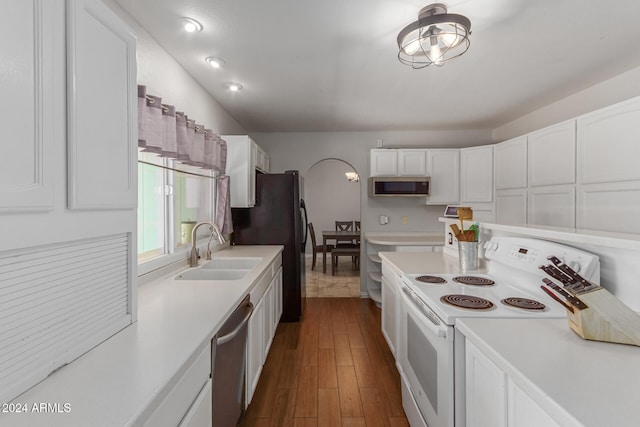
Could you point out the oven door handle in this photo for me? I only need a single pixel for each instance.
(434, 324)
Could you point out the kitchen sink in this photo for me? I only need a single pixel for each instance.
(231, 263)
(212, 274)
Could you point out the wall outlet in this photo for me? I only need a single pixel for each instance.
(405, 220)
(384, 220)
(379, 143)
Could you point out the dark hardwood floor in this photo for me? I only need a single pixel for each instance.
(333, 369)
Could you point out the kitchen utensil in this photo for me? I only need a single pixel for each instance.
(555, 297)
(469, 236)
(574, 301)
(605, 317)
(455, 229)
(464, 213)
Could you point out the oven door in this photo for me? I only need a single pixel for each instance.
(426, 357)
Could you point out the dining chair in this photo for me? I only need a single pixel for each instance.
(316, 248)
(344, 226)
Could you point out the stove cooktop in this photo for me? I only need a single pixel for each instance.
(433, 293)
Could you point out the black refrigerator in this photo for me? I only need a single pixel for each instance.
(279, 217)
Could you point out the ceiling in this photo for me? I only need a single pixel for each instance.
(332, 65)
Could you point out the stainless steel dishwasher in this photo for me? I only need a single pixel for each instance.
(228, 366)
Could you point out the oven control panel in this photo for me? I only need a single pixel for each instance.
(528, 254)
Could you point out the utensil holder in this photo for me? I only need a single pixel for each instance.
(468, 255)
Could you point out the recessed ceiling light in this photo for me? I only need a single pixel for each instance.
(190, 25)
(215, 62)
(234, 87)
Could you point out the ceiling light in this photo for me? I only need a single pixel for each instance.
(190, 25)
(352, 176)
(234, 87)
(215, 62)
(435, 38)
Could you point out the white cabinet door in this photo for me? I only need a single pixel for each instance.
(485, 390)
(443, 167)
(389, 313)
(277, 299)
(511, 207)
(412, 162)
(552, 155)
(101, 108)
(384, 163)
(27, 30)
(476, 174)
(554, 206)
(255, 349)
(269, 313)
(200, 414)
(511, 163)
(524, 412)
(608, 144)
(241, 168)
(611, 207)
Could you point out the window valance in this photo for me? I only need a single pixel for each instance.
(170, 133)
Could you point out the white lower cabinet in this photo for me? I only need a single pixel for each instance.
(255, 349)
(200, 414)
(185, 396)
(267, 301)
(391, 288)
(524, 412)
(493, 399)
(485, 390)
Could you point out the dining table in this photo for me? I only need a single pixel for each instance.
(335, 235)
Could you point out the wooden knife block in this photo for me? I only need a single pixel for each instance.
(605, 319)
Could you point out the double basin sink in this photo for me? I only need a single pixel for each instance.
(221, 269)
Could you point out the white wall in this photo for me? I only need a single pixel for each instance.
(165, 78)
(608, 92)
(330, 197)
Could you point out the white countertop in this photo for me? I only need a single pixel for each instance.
(405, 239)
(578, 382)
(425, 262)
(114, 383)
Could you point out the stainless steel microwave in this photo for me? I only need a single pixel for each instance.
(411, 186)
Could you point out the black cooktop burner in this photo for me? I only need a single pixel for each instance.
(468, 302)
(431, 279)
(474, 281)
(523, 303)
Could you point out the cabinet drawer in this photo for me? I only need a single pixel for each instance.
(181, 397)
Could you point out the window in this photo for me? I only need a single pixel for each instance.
(170, 203)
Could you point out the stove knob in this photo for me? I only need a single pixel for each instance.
(575, 266)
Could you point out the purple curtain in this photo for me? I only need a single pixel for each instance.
(223, 205)
(172, 134)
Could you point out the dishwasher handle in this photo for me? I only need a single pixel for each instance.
(231, 335)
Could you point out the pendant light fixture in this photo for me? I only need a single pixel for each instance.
(435, 38)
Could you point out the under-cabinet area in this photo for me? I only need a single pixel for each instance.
(157, 371)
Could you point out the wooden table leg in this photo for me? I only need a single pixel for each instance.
(324, 254)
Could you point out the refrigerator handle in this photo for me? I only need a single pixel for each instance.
(303, 208)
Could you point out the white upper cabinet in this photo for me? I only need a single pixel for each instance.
(101, 108)
(384, 162)
(554, 206)
(412, 162)
(28, 109)
(443, 167)
(476, 174)
(511, 163)
(552, 155)
(511, 207)
(609, 144)
(242, 161)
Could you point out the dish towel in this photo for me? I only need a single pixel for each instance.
(223, 205)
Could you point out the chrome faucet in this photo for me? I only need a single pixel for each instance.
(193, 256)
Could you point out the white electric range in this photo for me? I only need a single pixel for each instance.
(431, 354)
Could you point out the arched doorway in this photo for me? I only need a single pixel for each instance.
(331, 196)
